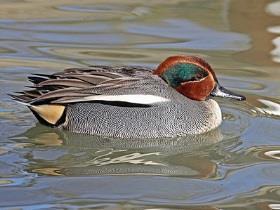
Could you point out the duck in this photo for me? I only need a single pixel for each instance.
(174, 99)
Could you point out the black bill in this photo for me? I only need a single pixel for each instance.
(220, 91)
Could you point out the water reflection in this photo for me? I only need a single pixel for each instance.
(79, 155)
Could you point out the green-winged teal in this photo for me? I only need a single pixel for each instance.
(130, 101)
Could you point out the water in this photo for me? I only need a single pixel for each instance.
(233, 167)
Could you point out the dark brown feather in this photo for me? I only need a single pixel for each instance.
(75, 83)
(64, 82)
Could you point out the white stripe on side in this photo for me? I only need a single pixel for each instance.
(136, 99)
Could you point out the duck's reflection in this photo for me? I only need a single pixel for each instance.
(55, 152)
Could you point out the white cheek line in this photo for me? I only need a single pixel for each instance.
(136, 99)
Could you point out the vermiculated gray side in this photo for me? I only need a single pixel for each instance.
(168, 120)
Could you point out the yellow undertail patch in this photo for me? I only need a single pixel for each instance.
(51, 113)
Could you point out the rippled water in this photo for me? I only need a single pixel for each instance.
(234, 167)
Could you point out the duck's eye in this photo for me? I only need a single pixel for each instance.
(197, 76)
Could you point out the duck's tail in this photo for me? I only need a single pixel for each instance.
(48, 114)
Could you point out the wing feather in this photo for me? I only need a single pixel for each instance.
(64, 82)
(81, 85)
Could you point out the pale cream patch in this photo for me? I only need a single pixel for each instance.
(50, 113)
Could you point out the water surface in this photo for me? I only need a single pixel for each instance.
(233, 167)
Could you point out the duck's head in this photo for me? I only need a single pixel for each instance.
(193, 77)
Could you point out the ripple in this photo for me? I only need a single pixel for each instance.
(195, 36)
(276, 51)
(274, 206)
(5, 182)
(48, 171)
(246, 72)
(67, 10)
(58, 27)
(103, 8)
(245, 85)
(273, 8)
(269, 108)
(274, 29)
(275, 154)
(133, 158)
(235, 119)
(21, 181)
(42, 63)
(6, 50)
(96, 54)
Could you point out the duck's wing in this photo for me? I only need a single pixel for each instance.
(126, 84)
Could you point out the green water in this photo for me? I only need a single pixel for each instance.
(234, 167)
